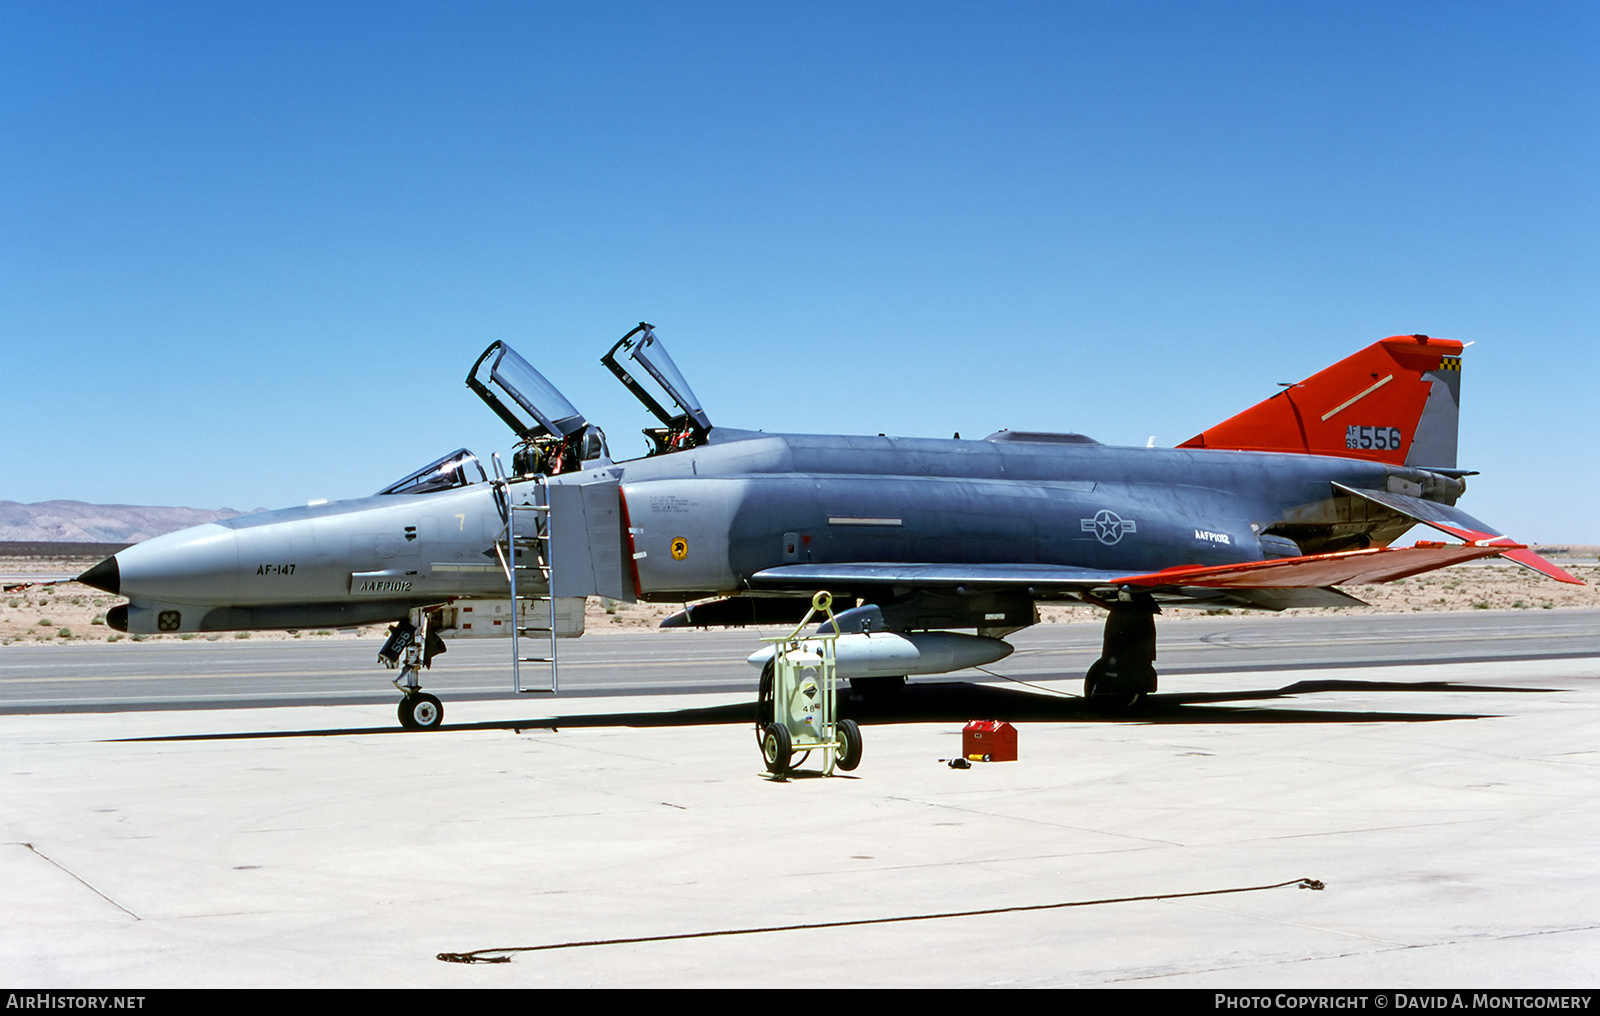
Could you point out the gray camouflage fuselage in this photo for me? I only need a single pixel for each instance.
(718, 519)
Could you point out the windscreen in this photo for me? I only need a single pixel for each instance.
(454, 470)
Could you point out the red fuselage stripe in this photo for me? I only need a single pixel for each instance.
(627, 530)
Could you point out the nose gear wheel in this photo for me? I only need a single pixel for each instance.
(421, 711)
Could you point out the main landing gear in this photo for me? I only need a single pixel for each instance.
(1125, 672)
(418, 644)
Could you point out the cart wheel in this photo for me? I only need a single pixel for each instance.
(848, 754)
(776, 748)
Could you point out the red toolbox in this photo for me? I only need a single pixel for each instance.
(989, 741)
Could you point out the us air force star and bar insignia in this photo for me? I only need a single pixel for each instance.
(680, 548)
(1107, 526)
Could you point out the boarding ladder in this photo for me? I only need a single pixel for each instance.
(528, 559)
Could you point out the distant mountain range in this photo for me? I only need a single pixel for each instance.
(77, 522)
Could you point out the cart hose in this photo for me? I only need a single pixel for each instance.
(501, 955)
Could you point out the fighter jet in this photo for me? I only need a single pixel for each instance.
(935, 550)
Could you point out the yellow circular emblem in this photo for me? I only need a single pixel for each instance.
(680, 548)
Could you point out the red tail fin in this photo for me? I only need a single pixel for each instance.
(1396, 401)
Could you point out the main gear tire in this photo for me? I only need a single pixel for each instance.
(1117, 695)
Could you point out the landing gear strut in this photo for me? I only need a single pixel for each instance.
(1125, 672)
(413, 640)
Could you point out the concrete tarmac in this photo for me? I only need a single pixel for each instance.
(229, 673)
(1448, 809)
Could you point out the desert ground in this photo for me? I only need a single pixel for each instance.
(69, 612)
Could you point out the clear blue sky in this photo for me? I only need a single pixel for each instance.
(249, 250)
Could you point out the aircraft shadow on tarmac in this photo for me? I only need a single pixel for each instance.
(959, 701)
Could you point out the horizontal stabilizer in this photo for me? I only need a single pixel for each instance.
(1457, 523)
(1528, 559)
(1375, 564)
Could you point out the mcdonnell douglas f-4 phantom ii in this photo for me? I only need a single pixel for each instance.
(918, 540)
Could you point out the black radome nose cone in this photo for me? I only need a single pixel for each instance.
(105, 575)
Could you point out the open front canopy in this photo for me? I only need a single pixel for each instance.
(519, 395)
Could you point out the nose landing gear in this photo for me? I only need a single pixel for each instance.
(418, 644)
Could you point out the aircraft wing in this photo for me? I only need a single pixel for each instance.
(1374, 564)
(1305, 581)
(1040, 580)
(1452, 520)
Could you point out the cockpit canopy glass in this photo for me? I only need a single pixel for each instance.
(454, 470)
(642, 347)
(521, 396)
